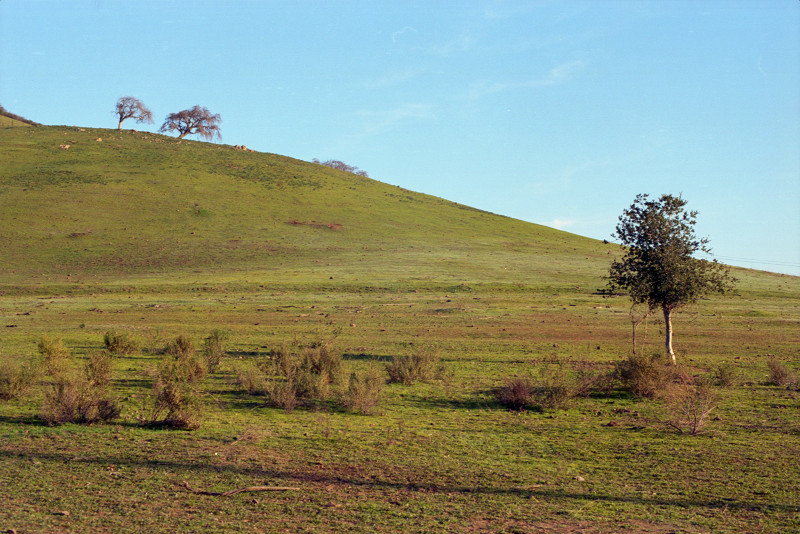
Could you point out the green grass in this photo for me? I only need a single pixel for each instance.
(99, 238)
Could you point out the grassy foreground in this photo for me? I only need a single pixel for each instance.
(498, 298)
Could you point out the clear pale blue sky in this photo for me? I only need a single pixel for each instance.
(554, 112)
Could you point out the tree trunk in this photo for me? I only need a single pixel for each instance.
(668, 329)
(119, 126)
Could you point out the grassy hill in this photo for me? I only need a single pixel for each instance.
(146, 235)
(125, 204)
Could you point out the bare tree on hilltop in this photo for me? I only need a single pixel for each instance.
(132, 108)
(196, 120)
(341, 166)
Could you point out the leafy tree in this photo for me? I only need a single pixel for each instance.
(658, 268)
(196, 120)
(132, 108)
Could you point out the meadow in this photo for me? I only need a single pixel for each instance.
(142, 234)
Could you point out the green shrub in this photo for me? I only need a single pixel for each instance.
(364, 390)
(55, 355)
(16, 378)
(213, 349)
(120, 343)
(644, 376)
(421, 365)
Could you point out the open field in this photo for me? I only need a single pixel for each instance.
(128, 238)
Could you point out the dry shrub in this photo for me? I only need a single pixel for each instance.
(283, 394)
(727, 376)
(176, 388)
(687, 406)
(187, 363)
(176, 397)
(54, 354)
(779, 374)
(120, 343)
(293, 373)
(364, 391)
(251, 378)
(421, 365)
(213, 349)
(644, 376)
(320, 368)
(516, 394)
(16, 378)
(81, 397)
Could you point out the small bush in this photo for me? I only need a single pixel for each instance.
(55, 355)
(645, 376)
(364, 391)
(421, 365)
(81, 397)
(688, 406)
(283, 394)
(516, 394)
(98, 369)
(301, 373)
(176, 398)
(320, 368)
(187, 364)
(779, 374)
(17, 378)
(120, 343)
(213, 349)
(727, 375)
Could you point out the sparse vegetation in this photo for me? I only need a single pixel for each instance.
(213, 349)
(645, 376)
(120, 343)
(404, 271)
(54, 355)
(364, 390)
(17, 377)
(688, 406)
(81, 397)
(421, 365)
(779, 373)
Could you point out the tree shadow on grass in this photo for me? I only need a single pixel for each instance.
(346, 477)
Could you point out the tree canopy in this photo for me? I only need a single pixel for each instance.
(129, 107)
(197, 120)
(658, 268)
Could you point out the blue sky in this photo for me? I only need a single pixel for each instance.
(554, 112)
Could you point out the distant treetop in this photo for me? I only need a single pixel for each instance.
(341, 166)
(132, 108)
(196, 120)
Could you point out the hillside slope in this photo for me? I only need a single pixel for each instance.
(98, 205)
